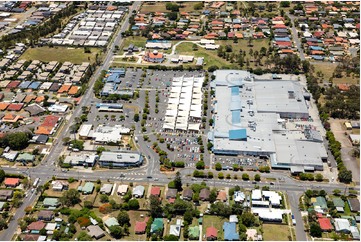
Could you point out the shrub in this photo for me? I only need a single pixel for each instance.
(105, 208)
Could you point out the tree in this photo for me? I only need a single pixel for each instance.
(18, 140)
(220, 175)
(248, 219)
(156, 209)
(83, 236)
(285, 4)
(188, 217)
(319, 177)
(70, 197)
(123, 218)
(170, 237)
(213, 195)
(2, 175)
(257, 177)
(133, 204)
(245, 176)
(242, 228)
(178, 181)
(116, 231)
(315, 230)
(336, 192)
(218, 166)
(200, 165)
(104, 198)
(345, 175)
(88, 204)
(136, 117)
(106, 208)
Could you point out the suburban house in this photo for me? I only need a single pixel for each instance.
(193, 232)
(354, 204)
(45, 215)
(122, 190)
(138, 192)
(140, 227)
(60, 185)
(230, 231)
(155, 191)
(175, 230)
(51, 203)
(95, 231)
(342, 225)
(88, 188)
(187, 194)
(111, 222)
(211, 233)
(11, 182)
(6, 194)
(35, 227)
(339, 204)
(106, 189)
(204, 194)
(157, 226)
(171, 194)
(222, 196)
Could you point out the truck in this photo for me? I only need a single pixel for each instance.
(36, 182)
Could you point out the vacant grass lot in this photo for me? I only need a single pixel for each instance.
(61, 54)
(153, 7)
(215, 221)
(210, 56)
(328, 68)
(138, 41)
(275, 232)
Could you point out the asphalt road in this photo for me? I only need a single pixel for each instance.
(47, 168)
(295, 37)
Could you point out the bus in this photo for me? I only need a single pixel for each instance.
(36, 182)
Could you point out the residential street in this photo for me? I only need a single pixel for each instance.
(45, 172)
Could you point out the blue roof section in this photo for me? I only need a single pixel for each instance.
(230, 232)
(35, 85)
(113, 78)
(317, 57)
(282, 39)
(236, 117)
(238, 134)
(235, 91)
(25, 84)
(118, 70)
(316, 48)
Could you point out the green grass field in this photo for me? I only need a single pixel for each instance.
(210, 56)
(61, 54)
(275, 232)
(138, 41)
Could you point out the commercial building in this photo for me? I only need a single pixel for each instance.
(109, 134)
(120, 159)
(184, 110)
(251, 117)
(81, 160)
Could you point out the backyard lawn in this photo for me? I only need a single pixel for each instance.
(276, 232)
(215, 221)
(61, 54)
(135, 216)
